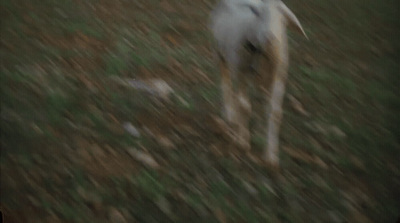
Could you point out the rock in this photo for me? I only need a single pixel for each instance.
(156, 86)
(161, 87)
(131, 129)
(144, 158)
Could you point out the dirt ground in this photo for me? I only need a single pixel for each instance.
(80, 143)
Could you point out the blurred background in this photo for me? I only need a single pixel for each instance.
(110, 113)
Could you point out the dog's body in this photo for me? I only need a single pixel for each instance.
(251, 37)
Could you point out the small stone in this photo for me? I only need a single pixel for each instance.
(131, 129)
(161, 87)
(144, 158)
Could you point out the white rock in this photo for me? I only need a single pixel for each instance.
(161, 87)
(144, 158)
(131, 129)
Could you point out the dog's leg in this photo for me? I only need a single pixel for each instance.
(274, 117)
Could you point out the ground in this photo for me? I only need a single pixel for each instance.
(77, 145)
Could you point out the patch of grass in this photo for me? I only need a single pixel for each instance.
(184, 100)
(83, 28)
(148, 182)
(115, 65)
(258, 141)
(378, 91)
(325, 79)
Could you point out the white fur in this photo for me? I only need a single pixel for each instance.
(262, 24)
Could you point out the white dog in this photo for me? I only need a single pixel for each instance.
(251, 38)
